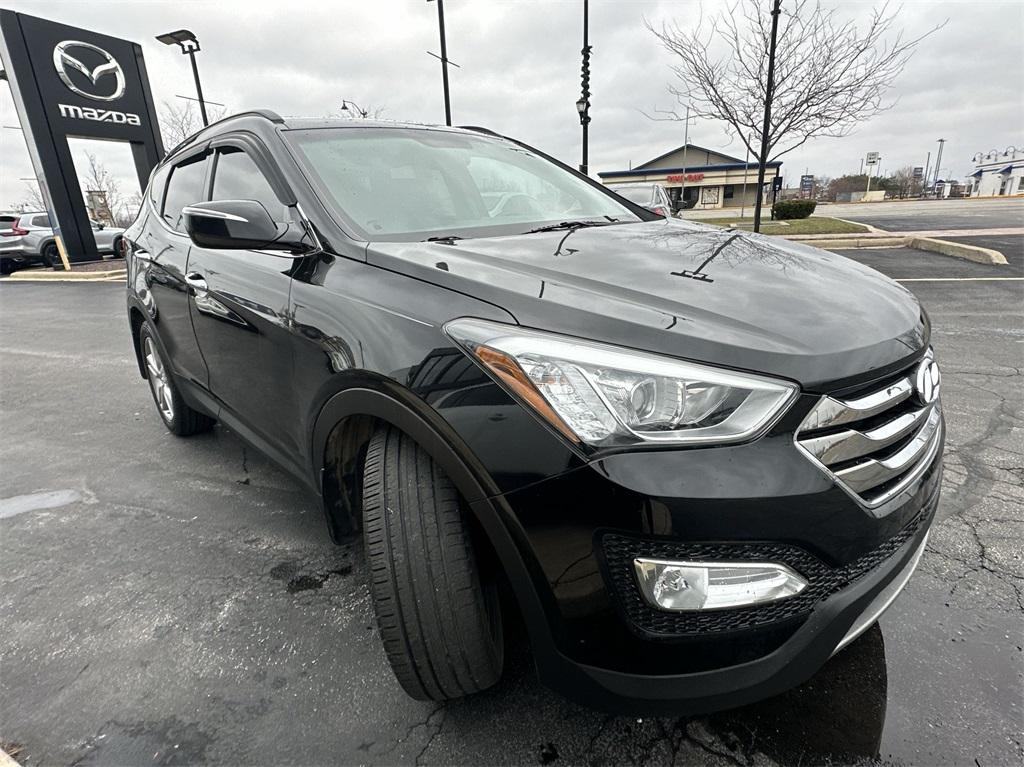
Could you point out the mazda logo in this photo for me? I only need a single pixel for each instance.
(107, 78)
(927, 381)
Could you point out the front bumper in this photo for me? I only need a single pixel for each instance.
(832, 625)
(611, 651)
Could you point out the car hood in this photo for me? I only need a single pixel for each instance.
(716, 295)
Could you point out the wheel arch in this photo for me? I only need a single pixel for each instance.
(371, 403)
(344, 427)
(135, 319)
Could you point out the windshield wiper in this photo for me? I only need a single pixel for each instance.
(448, 238)
(572, 225)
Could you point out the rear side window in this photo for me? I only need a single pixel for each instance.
(43, 221)
(157, 184)
(185, 188)
(237, 177)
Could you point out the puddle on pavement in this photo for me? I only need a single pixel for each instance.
(49, 499)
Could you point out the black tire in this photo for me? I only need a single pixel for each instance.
(116, 247)
(51, 256)
(440, 620)
(177, 416)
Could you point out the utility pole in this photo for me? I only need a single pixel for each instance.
(444, 63)
(746, 172)
(583, 105)
(924, 178)
(686, 143)
(769, 87)
(938, 162)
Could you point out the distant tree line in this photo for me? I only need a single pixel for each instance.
(899, 184)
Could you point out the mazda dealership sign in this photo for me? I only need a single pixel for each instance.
(71, 82)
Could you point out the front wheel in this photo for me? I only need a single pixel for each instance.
(439, 616)
(51, 256)
(177, 416)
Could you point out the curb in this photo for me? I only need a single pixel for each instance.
(973, 253)
(957, 249)
(843, 243)
(40, 276)
(871, 229)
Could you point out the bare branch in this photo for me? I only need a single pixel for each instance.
(830, 76)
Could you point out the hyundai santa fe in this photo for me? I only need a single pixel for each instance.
(697, 462)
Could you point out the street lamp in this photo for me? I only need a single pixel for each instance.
(345, 107)
(189, 44)
(583, 104)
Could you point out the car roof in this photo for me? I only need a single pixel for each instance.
(239, 120)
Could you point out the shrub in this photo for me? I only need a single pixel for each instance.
(784, 209)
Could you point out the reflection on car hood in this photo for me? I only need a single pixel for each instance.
(693, 291)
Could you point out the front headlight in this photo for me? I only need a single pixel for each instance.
(607, 396)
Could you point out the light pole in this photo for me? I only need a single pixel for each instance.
(746, 173)
(444, 62)
(583, 104)
(349, 106)
(189, 44)
(938, 161)
(686, 144)
(769, 88)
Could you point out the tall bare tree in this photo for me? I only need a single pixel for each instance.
(829, 75)
(178, 122)
(32, 198)
(903, 182)
(123, 209)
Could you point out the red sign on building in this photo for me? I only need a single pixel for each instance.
(677, 178)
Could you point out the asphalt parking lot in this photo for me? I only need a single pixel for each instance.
(923, 215)
(169, 601)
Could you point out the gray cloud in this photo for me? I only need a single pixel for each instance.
(520, 73)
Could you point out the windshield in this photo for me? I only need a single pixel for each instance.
(409, 184)
(641, 195)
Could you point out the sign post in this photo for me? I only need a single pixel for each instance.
(68, 81)
(871, 159)
(806, 187)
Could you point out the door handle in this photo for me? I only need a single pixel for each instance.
(195, 281)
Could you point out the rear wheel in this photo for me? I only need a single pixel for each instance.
(51, 256)
(177, 416)
(439, 617)
(116, 248)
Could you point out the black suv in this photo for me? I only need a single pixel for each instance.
(696, 461)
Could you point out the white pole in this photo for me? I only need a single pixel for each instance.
(686, 142)
(746, 171)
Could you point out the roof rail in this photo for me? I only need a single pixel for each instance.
(478, 129)
(270, 114)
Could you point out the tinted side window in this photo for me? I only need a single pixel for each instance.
(156, 186)
(236, 177)
(185, 188)
(43, 221)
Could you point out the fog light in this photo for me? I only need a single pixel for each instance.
(714, 585)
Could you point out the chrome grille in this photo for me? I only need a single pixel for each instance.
(876, 443)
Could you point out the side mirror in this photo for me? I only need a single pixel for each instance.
(239, 225)
(100, 225)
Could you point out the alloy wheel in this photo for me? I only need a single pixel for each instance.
(158, 382)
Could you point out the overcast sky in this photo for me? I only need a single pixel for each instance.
(519, 74)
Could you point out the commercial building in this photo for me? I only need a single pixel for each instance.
(696, 177)
(998, 173)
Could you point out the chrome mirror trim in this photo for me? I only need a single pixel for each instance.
(190, 210)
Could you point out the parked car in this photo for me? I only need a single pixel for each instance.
(31, 240)
(697, 462)
(651, 196)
